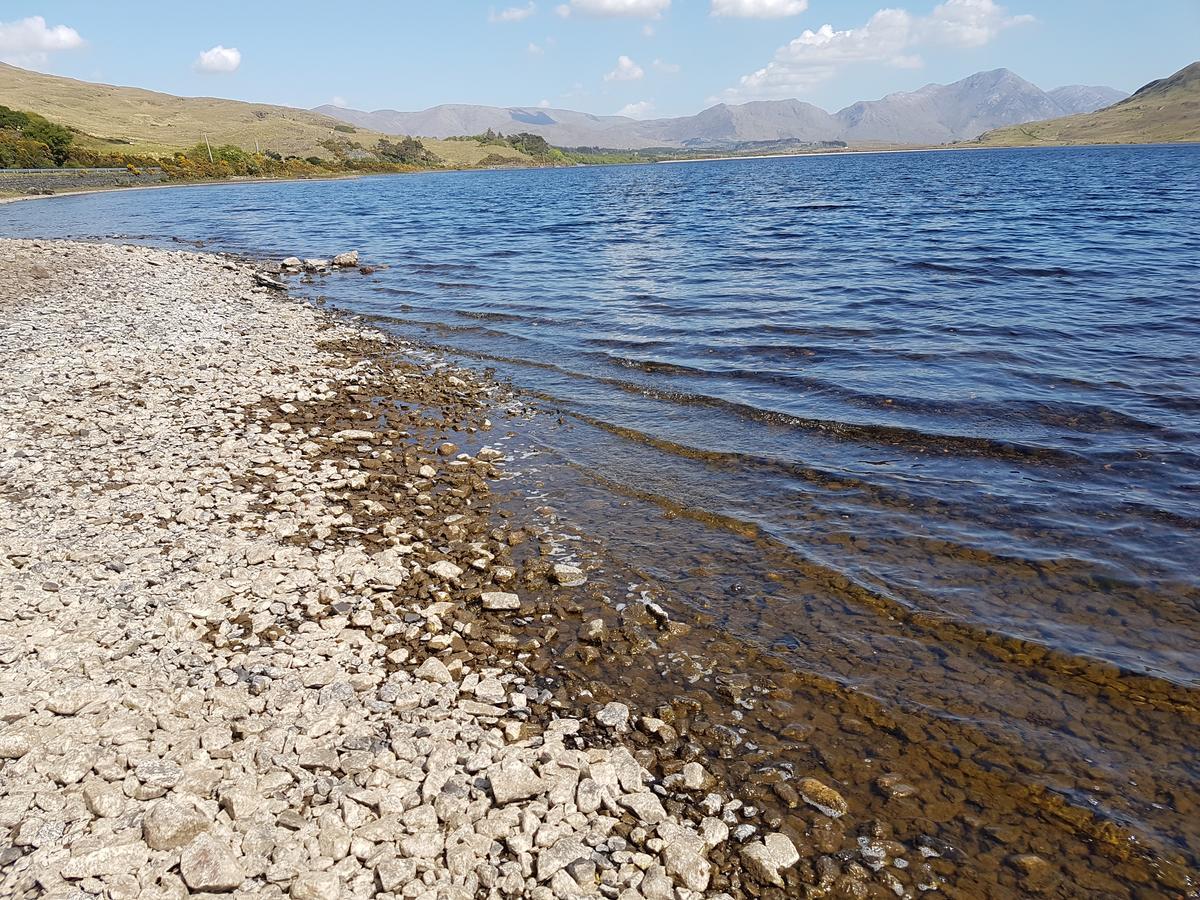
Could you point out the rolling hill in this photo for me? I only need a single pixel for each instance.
(142, 122)
(934, 114)
(1166, 110)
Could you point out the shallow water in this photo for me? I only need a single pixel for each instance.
(925, 426)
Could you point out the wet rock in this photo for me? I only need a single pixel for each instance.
(894, 787)
(347, 260)
(615, 716)
(822, 797)
(767, 859)
(447, 571)
(567, 576)
(500, 601)
(593, 632)
(1036, 874)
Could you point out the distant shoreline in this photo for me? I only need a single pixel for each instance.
(177, 184)
(808, 154)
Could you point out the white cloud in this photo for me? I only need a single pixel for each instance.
(219, 60)
(340, 102)
(890, 37)
(29, 42)
(969, 23)
(543, 104)
(638, 110)
(758, 9)
(665, 67)
(637, 9)
(626, 70)
(513, 13)
(534, 49)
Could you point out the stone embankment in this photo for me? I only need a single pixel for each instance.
(60, 181)
(252, 631)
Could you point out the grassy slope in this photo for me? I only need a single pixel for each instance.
(1163, 111)
(137, 121)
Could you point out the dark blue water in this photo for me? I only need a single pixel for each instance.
(959, 392)
(995, 352)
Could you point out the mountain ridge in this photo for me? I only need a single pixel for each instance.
(933, 114)
(1167, 110)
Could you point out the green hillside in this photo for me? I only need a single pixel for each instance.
(1164, 111)
(139, 122)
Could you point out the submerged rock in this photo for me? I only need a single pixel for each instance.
(822, 797)
(567, 576)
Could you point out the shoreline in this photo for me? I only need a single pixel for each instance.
(326, 439)
(188, 184)
(316, 691)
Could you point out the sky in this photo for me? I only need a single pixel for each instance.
(644, 58)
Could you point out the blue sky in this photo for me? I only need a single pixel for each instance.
(643, 57)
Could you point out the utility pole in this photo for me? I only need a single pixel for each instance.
(209, 146)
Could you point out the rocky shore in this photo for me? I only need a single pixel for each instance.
(259, 624)
(26, 183)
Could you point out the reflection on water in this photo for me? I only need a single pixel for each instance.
(924, 427)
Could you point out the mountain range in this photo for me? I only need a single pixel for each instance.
(935, 114)
(1163, 111)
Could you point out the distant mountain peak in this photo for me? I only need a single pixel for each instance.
(934, 114)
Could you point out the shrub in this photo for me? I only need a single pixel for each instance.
(408, 151)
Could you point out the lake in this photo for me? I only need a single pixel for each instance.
(923, 426)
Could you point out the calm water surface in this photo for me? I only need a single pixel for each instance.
(929, 424)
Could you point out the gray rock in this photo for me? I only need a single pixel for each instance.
(102, 799)
(170, 825)
(348, 260)
(316, 886)
(561, 854)
(14, 745)
(395, 874)
(615, 716)
(433, 669)
(208, 864)
(490, 690)
(158, 773)
(106, 861)
(445, 570)
(646, 807)
(513, 780)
